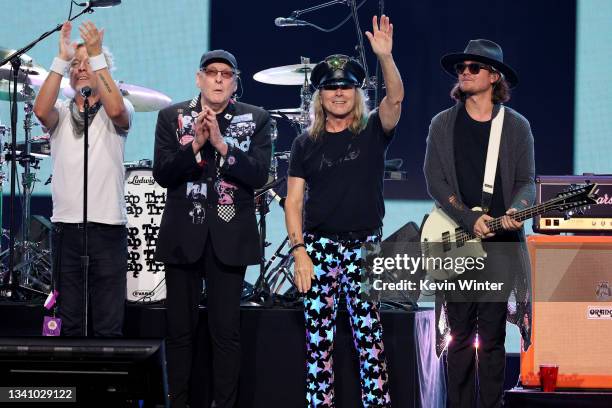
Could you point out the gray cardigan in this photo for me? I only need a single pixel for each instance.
(516, 165)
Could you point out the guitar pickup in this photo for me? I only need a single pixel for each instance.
(458, 231)
(446, 244)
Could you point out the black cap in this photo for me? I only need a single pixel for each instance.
(218, 56)
(337, 69)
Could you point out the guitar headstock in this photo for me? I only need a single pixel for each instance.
(577, 199)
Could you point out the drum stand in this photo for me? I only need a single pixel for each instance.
(260, 295)
(11, 282)
(33, 272)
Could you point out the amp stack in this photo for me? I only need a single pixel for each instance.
(571, 276)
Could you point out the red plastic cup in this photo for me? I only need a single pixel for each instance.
(548, 377)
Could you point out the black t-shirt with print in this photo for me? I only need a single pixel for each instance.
(344, 177)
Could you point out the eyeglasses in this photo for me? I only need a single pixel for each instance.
(212, 73)
(335, 87)
(473, 67)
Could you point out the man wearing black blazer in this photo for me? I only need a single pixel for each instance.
(210, 153)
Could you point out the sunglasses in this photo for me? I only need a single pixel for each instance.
(336, 87)
(473, 67)
(212, 73)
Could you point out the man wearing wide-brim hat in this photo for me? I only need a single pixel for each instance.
(457, 151)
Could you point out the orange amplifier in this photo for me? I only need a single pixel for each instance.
(572, 311)
(597, 219)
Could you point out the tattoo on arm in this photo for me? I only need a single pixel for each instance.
(105, 82)
(456, 203)
(293, 239)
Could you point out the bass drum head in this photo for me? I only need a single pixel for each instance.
(145, 201)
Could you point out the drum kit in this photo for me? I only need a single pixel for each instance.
(31, 259)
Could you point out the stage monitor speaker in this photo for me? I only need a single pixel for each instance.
(572, 311)
(405, 240)
(104, 372)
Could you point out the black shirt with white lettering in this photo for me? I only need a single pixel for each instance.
(344, 176)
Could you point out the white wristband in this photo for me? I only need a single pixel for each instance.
(60, 66)
(98, 62)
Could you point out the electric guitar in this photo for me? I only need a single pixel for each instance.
(442, 237)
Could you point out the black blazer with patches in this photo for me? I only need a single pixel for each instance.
(246, 167)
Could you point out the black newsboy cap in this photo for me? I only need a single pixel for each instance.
(218, 56)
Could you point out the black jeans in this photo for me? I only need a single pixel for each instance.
(183, 289)
(487, 317)
(107, 250)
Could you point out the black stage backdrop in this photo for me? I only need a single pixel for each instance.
(538, 39)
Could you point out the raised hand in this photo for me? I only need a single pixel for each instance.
(66, 47)
(92, 38)
(381, 37)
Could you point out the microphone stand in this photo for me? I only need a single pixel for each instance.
(379, 79)
(360, 48)
(295, 14)
(13, 277)
(85, 257)
(353, 5)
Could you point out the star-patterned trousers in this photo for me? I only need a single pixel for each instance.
(337, 270)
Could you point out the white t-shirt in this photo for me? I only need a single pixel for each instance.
(105, 182)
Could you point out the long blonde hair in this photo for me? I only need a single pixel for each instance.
(317, 115)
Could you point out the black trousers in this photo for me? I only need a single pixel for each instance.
(184, 288)
(107, 250)
(465, 362)
(486, 315)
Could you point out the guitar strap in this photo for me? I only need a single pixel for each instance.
(492, 157)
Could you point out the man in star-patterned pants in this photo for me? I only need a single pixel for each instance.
(337, 273)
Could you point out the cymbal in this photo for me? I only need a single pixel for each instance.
(285, 75)
(29, 72)
(143, 99)
(38, 148)
(6, 90)
(294, 114)
(28, 69)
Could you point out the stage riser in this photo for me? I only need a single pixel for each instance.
(273, 354)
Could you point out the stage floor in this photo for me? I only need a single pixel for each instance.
(521, 398)
(273, 360)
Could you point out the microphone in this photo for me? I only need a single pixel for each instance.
(289, 22)
(85, 91)
(100, 3)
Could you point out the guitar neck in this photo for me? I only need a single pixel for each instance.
(496, 223)
(575, 198)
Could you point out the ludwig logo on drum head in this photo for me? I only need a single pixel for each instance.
(141, 180)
